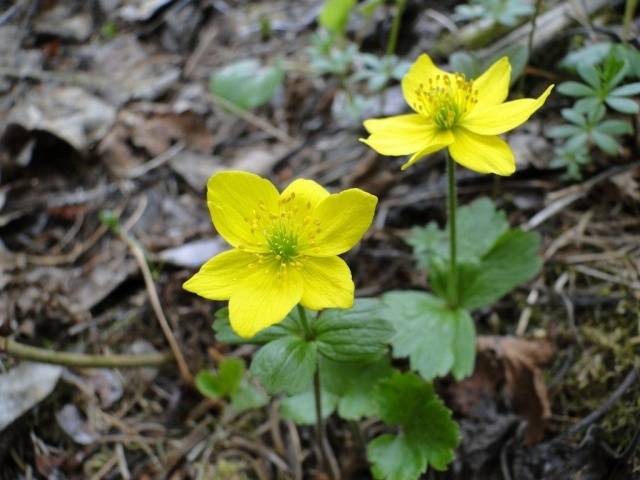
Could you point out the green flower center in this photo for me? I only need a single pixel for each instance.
(283, 244)
(446, 99)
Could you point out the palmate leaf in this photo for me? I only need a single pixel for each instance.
(492, 259)
(428, 435)
(346, 388)
(225, 382)
(436, 338)
(285, 365)
(286, 362)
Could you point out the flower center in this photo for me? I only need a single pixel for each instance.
(283, 244)
(446, 99)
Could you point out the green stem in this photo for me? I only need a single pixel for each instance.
(305, 322)
(80, 360)
(451, 220)
(395, 27)
(320, 433)
(317, 393)
(629, 13)
(536, 13)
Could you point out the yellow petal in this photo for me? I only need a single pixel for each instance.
(218, 276)
(440, 140)
(327, 283)
(419, 73)
(305, 193)
(503, 117)
(340, 222)
(484, 154)
(264, 299)
(399, 135)
(493, 84)
(234, 199)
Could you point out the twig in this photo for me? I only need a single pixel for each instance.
(156, 162)
(600, 412)
(138, 253)
(254, 120)
(80, 360)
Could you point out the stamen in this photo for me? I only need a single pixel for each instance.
(446, 99)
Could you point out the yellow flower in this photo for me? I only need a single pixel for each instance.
(285, 247)
(464, 115)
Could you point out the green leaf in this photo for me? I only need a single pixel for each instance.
(576, 89)
(285, 365)
(622, 104)
(615, 127)
(512, 260)
(518, 58)
(466, 63)
(335, 15)
(225, 382)
(393, 457)
(301, 408)
(436, 338)
(246, 83)
(352, 384)
(225, 334)
(248, 397)
(406, 401)
(478, 225)
(588, 55)
(627, 90)
(563, 131)
(358, 334)
(589, 74)
(573, 116)
(605, 142)
(588, 104)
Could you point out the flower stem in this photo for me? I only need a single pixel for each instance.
(304, 322)
(395, 27)
(451, 220)
(317, 394)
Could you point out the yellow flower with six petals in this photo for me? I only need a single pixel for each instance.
(465, 116)
(285, 247)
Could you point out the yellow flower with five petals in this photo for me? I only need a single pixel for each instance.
(285, 247)
(465, 116)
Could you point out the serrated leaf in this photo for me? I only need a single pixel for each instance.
(513, 259)
(392, 457)
(247, 83)
(436, 338)
(301, 408)
(478, 225)
(225, 382)
(285, 365)
(576, 89)
(352, 384)
(622, 104)
(335, 15)
(407, 401)
(224, 333)
(358, 334)
(248, 397)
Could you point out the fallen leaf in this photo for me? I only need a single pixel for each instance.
(23, 387)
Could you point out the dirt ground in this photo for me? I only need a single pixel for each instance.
(105, 107)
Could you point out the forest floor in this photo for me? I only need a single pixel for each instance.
(105, 106)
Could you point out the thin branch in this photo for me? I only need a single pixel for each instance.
(81, 360)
